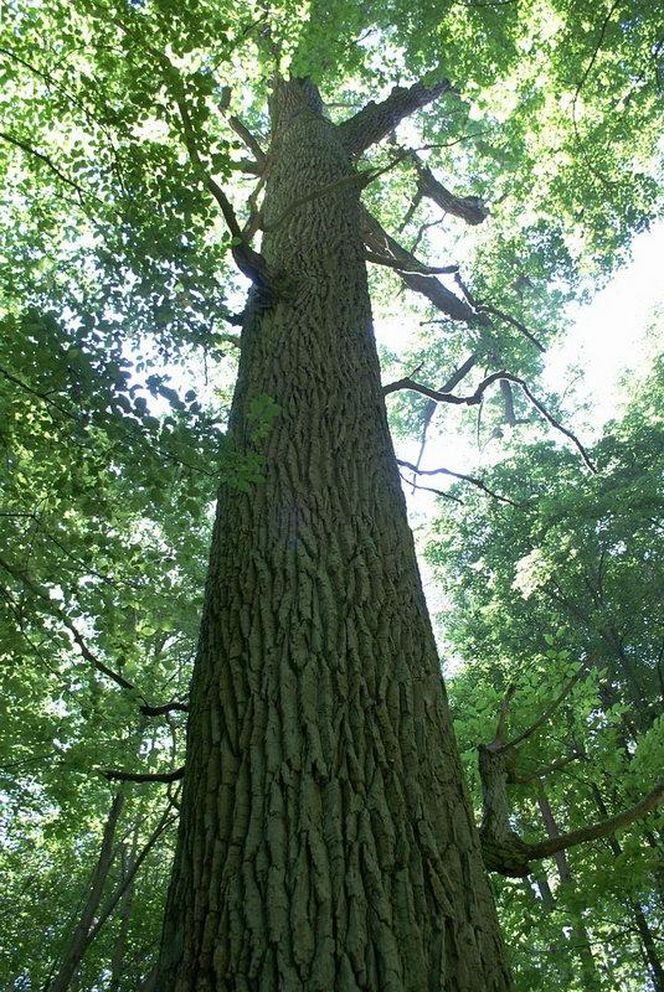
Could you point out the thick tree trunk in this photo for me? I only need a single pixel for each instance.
(326, 839)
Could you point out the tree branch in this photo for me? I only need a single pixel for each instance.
(430, 489)
(248, 261)
(431, 406)
(371, 124)
(391, 263)
(474, 398)
(516, 779)
(458, 475)
(87, 654)
(250, 141)
(547, 712)
(483, 307)
(117, 775)
(164, 823)
(468, 208)
(601, 829)
(508, 400)
(410, 270)
(41, 157)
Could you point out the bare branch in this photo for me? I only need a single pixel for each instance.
(476, 398)
(117, 775)
(410, 269)
(459, 475)
(429, 270)
(175, 706)
(431, 406)
(429, 489)
(164, 823)
(250, 141)
(483, 307)
(508, 399)
(375, 121)
(468, 208)
(503, 719)
(417, 199)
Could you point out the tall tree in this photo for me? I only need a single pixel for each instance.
(326, 840)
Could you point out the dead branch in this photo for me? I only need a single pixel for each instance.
(468, 208)
(463, 478)
(483, 307)
(429, 489)
(117, 775)
(410, 269)
(431, 406)
(429, 270)
(475, 398)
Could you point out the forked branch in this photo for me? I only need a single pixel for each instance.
(473, 480)
(475, 398)
(411, 271)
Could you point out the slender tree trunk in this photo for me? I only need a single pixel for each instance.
(590, 974)
(650, 950)
(80, 937)
(326, 840)
(124, 917)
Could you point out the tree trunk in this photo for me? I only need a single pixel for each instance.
(80, 937)
(650, 950)
(326, 839)
(590, 975)
(124, 917)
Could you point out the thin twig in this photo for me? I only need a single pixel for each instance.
(473, 480)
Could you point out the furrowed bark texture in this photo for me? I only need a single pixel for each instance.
(326, 840)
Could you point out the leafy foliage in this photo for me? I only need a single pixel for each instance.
(115, 376)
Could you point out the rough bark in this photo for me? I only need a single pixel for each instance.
(503, 849)
(326, 839)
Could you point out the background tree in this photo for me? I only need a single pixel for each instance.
(557, 618)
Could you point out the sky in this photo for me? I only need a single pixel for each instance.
(607, 335)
